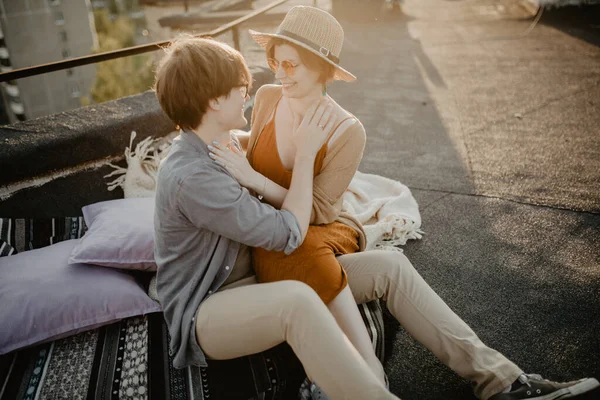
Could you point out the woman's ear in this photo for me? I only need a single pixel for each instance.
(214, 104)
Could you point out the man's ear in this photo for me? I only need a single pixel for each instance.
(214, 104)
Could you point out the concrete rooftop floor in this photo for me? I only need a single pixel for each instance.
(494, 124)
(495, 127)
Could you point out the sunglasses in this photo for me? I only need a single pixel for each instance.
(288, 66)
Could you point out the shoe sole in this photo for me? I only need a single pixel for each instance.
(566, 393)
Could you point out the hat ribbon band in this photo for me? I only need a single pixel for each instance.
(319, 49)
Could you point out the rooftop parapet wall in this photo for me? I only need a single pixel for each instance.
(68, 139)
(54, 165)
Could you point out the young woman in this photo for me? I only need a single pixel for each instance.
(304, 73)
(304, 54)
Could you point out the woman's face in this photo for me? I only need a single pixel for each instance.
(303, 82)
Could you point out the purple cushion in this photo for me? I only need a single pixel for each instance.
(44, 298)
(6, 249)
(120, 235)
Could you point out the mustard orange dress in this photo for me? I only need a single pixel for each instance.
(314, 262)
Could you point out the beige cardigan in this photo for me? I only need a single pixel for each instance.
(339, 166)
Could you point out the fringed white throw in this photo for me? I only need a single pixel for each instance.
(139, 178)
(386, 208)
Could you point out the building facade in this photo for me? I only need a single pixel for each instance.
(38, 32)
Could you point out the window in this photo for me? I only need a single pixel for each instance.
(59, 18)
(75, 91)
(63, 35)
(66, 53)
(54, 3)
(11, 89)
(70, 72)
(16, 107)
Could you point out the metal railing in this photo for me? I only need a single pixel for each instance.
(130, 51)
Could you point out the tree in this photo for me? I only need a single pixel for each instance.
(113, 7)
(123, 76)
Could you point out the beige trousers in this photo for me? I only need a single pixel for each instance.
(249, 319)
(390, 276)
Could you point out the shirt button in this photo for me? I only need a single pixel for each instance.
(210, 292)
(227, 267)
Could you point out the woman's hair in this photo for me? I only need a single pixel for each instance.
(311, 60)
(194, 71)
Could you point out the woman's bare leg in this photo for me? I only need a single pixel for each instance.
(345, 311)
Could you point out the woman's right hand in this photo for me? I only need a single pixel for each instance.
(316, 126)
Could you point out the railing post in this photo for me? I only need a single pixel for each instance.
(236, 37)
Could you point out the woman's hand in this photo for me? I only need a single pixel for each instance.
(236, 163)
(316, 126)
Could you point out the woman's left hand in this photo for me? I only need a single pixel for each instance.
(235, 162)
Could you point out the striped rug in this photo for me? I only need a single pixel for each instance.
(130, 359)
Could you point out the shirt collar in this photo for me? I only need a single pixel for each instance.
(194, 140)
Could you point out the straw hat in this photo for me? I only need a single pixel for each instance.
(315, 30)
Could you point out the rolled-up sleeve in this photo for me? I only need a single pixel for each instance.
(211, 199)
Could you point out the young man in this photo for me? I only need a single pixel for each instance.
(204, 221)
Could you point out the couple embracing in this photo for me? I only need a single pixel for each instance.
(252, 244)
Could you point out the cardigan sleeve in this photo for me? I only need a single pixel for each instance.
(339, 167)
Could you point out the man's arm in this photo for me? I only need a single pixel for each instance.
(211, 199)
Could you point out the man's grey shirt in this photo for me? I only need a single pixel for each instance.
(202, 215)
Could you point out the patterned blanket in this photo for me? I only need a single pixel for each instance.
(130, 359)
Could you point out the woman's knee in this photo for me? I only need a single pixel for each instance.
(389, 264)
(397, 272)
(372, 274)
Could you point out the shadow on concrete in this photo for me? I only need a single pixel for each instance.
(582, 22)
(391, 100)
(523, 277)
